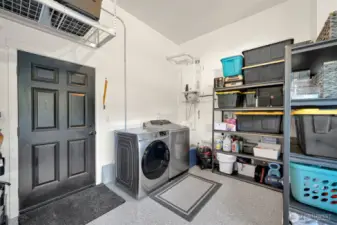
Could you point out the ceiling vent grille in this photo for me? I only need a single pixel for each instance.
(57, 19)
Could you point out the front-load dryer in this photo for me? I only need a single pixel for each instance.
(142, 160)
(179, 144)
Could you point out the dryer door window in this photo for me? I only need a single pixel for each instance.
(155, 160)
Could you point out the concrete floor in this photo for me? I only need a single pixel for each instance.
(235, 203)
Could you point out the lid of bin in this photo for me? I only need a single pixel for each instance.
(315, 112)
(228, 92)
(291, 40)
(232, 57)
(259, 113)
(249, 92)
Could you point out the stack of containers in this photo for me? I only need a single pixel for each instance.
(326, 80)
(232, 71)
(266, 63)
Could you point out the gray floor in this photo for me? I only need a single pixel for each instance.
(235, 203)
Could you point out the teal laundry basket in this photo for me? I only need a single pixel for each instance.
(314, 186)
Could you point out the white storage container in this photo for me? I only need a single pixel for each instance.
(269, 151)
(246, 169)
(226, 162)
(220, 126)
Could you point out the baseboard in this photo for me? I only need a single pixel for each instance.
(108, 173)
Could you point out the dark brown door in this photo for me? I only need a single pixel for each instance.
(56, 128)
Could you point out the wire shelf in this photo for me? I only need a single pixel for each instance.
(55, 18)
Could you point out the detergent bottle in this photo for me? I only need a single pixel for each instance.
(227, 144)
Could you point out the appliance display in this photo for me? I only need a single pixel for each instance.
(142, 160)
(179, 144)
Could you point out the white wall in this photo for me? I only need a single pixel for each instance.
(287, 20)
(324, 8)
(151, 82)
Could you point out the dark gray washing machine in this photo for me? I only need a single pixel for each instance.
(179, 144)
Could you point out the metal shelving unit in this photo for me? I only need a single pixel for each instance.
(247, 86)
(246, 109)
(249, 133)
(310, 56)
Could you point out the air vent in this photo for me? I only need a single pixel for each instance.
(57, 19)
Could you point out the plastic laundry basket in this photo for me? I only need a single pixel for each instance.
(226, 163)
(314, 186)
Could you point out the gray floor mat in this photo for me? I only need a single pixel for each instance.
(76, 209)
(186, 195)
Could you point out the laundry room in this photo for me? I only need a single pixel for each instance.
(168, 112)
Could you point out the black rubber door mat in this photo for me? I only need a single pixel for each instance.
(77, 209)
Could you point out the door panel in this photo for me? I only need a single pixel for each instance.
(77, 157)
(76, 109)
(45, 159)
(77, 79)
(45, 74)
(56, 123)
(45, 109)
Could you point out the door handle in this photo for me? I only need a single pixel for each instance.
(91, 133)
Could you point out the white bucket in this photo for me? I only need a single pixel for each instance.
(226, 163)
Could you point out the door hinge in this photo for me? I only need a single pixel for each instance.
(18, 131)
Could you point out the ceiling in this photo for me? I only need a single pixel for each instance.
(184, 20)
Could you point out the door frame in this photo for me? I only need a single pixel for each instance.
(12, 152)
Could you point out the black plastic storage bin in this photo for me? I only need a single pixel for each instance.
(264, 122)
(267, 53)
(260, 74)
(249, 98)
(317, 131)
(230, 99)
(270, 96)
